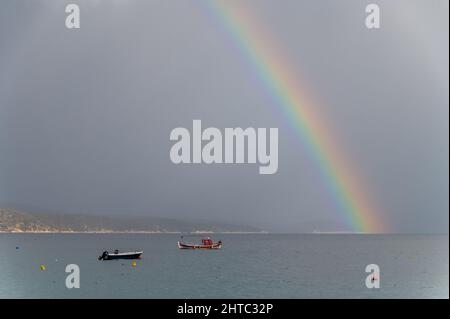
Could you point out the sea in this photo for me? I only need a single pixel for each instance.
(248, 266)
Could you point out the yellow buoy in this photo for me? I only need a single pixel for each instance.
(133, 264)
(43, 267)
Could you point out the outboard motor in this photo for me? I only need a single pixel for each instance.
(104, 256)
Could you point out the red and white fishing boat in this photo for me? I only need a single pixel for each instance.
(206, 243)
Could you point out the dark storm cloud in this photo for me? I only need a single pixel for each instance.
(85, 115)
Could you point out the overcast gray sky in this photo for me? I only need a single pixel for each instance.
(85, 115)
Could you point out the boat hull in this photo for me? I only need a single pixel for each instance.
(192, 246)
(134, 255)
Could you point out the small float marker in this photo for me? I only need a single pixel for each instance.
(133, 264)
(43, 267)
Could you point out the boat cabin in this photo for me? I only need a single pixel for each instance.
(207, 241)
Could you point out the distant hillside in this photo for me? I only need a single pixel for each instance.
(12, 220)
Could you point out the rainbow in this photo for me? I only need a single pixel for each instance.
(302, 114)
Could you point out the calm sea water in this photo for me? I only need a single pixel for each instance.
(248, 266)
